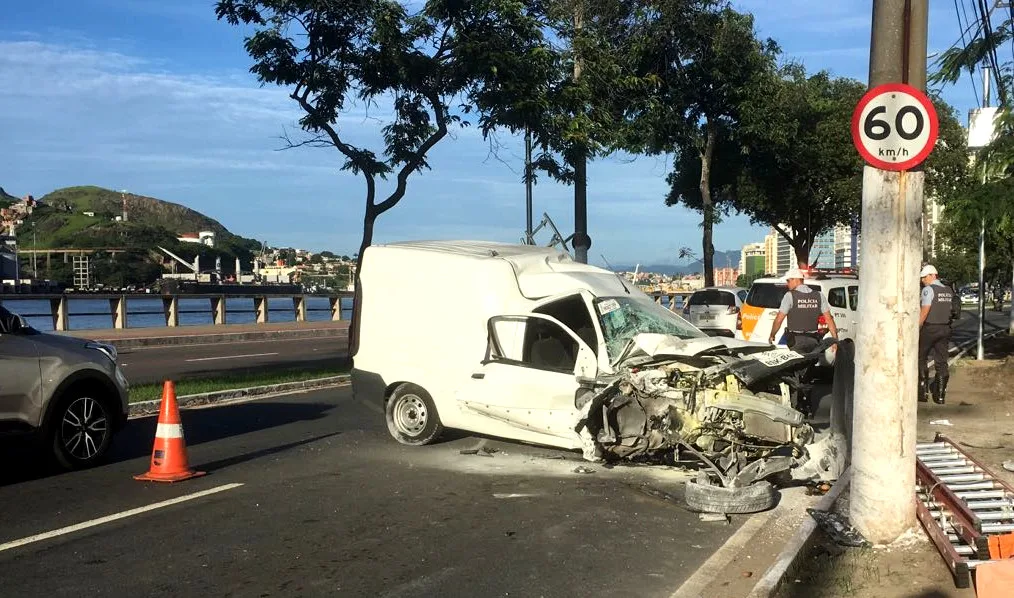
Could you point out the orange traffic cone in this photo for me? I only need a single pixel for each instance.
(169, 455)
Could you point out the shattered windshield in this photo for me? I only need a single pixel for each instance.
(623, 318)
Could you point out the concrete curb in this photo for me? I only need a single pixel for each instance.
(768, 584)
(122, 344)
(221, 396)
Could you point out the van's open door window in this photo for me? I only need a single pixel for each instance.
(538, 342)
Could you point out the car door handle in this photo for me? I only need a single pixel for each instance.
(478, 376)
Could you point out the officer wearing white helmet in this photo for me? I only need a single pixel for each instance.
(936, 301)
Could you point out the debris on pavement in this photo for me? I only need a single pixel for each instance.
(583, 469)
(468, 452)
(818, 489)
(1009, 465)
(941, 422)
(837, 527)
(512, 495)
(714, 517)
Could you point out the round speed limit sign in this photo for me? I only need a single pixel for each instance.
(894, 126)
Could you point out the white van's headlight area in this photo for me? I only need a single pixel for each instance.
(107, 349)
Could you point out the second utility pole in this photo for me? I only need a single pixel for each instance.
(581, 241)
(882, 503)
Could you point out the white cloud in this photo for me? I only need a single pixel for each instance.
(84, 114)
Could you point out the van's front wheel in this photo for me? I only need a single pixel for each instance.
(411, 416)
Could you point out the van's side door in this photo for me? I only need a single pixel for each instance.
(531, 375)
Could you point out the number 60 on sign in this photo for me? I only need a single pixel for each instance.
(894, 127)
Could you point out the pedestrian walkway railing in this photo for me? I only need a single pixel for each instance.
(142, 310)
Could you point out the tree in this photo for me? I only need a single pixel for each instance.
(702, 62)
(333, 54)
(800, 172)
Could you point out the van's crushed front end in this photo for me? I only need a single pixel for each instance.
(720, 401)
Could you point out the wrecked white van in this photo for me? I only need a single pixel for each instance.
(522, 342)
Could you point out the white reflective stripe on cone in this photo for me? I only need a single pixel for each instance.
(169, 431)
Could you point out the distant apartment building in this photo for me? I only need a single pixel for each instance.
(846, 247)
(752, 258)
(726, 277)
(771, 253)
(205, 237)
(822, 254)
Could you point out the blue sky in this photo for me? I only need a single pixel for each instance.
(154, 96)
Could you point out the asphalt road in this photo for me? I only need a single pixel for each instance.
(967, 326)
(155, 364)
(330, 505)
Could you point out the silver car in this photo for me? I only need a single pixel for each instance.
(66, 393)
(714, 309)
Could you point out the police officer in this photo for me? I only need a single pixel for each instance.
(802, 307)
(934, 333)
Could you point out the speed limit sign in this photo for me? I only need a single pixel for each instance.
(894, 126)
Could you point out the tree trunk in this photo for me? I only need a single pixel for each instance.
(368, 221)
(708, 207)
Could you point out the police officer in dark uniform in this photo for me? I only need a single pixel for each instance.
(934, 333)
(802, 307)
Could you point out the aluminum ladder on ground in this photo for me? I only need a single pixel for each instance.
(961, 505)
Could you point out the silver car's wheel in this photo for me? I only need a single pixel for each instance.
(411, 416)
(82, 431)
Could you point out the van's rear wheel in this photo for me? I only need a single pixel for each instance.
(411, 416)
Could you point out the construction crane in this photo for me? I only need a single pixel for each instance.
(195, 267)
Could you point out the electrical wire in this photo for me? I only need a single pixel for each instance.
(965, 27)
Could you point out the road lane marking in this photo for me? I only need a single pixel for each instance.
(115, 516)
(232, 357)
(697, 583)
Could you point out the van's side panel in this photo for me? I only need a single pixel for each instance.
(424, 317)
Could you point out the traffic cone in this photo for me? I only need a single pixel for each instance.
(169, 455)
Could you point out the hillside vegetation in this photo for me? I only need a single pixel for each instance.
(60, 222)
(6, 199)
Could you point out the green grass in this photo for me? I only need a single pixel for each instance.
(151, 392)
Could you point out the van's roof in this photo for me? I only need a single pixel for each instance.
(488, 249)
(540, 271)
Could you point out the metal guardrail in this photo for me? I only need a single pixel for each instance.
(60, 306)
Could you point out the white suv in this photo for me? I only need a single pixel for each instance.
(714, 310)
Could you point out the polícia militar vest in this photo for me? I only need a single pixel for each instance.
(804, 312)
(940, 308)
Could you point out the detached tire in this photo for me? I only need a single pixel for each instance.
(412, 417)
(757, 497)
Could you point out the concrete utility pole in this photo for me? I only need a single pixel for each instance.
(581, 241)
(882, 502)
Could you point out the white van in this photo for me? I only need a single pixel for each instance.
(521, 342)
(426, 313)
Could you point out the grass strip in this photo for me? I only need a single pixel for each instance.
(151, 392)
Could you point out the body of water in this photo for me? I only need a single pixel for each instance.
(146, 312)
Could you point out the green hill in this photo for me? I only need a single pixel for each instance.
(6, 199)
(60, 221)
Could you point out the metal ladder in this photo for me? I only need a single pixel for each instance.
(960, 504)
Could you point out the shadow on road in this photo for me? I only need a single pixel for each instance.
(21, 463)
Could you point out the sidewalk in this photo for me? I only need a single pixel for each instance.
(132, 338)
(980, 411)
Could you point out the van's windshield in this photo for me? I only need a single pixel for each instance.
(623, 318)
